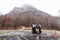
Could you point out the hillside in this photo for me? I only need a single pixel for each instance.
(25, 16)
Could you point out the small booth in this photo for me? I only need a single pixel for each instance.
(36, 28)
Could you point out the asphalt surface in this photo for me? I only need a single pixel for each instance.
(27, 35)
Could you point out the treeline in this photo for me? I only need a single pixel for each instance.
(26, 19)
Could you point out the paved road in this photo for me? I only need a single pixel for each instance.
(25, 35)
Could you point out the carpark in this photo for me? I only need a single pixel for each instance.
(26, 35)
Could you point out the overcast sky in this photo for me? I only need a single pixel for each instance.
(49, 6)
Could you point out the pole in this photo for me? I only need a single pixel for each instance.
(55, 35)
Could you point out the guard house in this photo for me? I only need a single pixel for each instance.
(36, 28)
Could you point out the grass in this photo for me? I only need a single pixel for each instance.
(4, 31)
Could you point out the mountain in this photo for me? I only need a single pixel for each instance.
(27, 15)
(27, 8)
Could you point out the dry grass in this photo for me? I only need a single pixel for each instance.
(45, 31)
